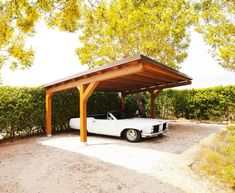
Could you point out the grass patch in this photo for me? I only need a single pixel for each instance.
(218, 158)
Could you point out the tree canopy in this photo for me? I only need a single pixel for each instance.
(117, 28)
(18, 20)
(217, 24)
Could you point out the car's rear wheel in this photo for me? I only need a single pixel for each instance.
(132, 135)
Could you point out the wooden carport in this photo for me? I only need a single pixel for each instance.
(134, 74)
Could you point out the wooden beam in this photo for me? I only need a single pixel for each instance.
(138, 77)
(158, 69)
(162, 86)
(83, 122)
(125, 83)
(158, 77)
(108, 89)
(90, 89)
(109, 74)
(115, 85)
(149, 79)
(48, 113)
(85, 92)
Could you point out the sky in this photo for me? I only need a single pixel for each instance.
(55, 59)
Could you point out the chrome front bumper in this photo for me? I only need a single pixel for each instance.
(146, 135)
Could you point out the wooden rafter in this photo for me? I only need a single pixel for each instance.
(126, 70)
(164, 72)
(162, 86)
(157, 76)
(139, 77)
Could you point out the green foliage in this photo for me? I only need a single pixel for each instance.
(18, 20)
(218, 158)
(63, 14)
(216, 23)
(231, 128)
(66, 106)
(216, 103)
(22, 109)
(116, 29)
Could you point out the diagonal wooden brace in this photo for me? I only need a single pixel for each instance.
(85, 92)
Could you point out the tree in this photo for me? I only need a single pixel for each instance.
(155, 28)
(118, 28)
(18, 20)
(217, 24)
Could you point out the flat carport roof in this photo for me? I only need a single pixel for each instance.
(134, 74)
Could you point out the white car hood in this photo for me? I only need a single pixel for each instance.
(140, 122)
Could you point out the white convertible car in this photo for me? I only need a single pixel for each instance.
(121, 124)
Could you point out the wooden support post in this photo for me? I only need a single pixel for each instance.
(122, 98)
(48, 113)
(85, 92)
(153, 95)
(83, 124)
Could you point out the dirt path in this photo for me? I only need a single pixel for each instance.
(62, 164)
(173, 169)
(28, 166)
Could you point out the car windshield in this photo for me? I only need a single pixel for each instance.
(122, 115)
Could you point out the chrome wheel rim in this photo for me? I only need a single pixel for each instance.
(131, 135)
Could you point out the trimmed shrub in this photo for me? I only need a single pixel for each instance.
(22, 109)
(217, 103)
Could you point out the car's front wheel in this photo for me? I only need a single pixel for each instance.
(132, 135)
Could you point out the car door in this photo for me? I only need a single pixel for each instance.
(104, 127)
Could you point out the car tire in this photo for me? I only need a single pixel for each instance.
(132, 135)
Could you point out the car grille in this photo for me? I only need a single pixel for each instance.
(156, 128)
(164, 127)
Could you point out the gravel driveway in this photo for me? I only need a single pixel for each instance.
(28, 165)
(181, 136)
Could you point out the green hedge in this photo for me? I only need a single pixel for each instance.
(65, 105)
(217, 103)
(22, 110)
